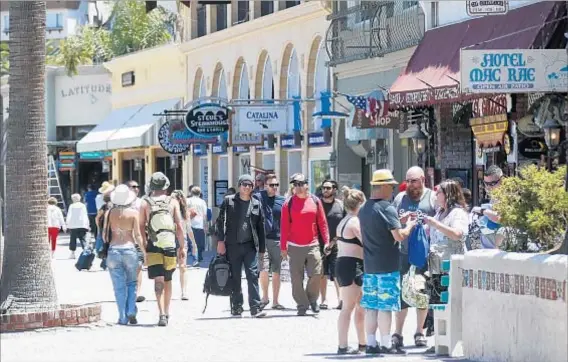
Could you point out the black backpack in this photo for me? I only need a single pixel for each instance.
(218, 279)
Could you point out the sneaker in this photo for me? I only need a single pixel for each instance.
(362, 348)
(397, 340)
(163, 322)
(236, 311)
(373, 350)
(315, 308)
(195, 264)
(132, 320)
(140, 299)
(72, 255)
(302, 312)
(420, 340)
(258, 314)
(347, 350)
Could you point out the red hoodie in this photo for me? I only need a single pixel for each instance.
(307, 218)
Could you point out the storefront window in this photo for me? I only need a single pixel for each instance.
(223, 170)
(244, 165)
(319, 171)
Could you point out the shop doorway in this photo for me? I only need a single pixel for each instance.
(164, 165)
(134, 170)
(90, 173)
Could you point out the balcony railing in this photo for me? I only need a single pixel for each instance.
(372, 29)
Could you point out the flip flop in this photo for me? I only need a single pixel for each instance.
(278, 307)
(263, 305)
(323, 306)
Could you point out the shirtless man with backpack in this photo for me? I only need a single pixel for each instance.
(160, 218)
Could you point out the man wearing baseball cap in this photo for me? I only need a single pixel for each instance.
(382, 234)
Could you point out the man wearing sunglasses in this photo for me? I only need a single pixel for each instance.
(489, 219)
(272, 205)
(240, 229)
(302, 225)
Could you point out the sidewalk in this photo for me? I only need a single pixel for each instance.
(191, 335)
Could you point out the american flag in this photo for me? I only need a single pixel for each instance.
(373, 107)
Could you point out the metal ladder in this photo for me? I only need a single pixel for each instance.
(53, 185)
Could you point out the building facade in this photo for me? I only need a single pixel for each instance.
(270, 54)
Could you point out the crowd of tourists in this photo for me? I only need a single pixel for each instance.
(364, 245)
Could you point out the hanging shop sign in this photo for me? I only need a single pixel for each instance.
(513, 71)
(372, 111)
(533, 148)
(95, 156)
(268, 119)
(243, 139)
(480, 8)
(287, 141)
(105, 166)
(491, 133)
(207, 120)
(166, 140)
(67, 161)
(317, 139)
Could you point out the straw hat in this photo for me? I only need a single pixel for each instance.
(122, 196)
(106, 187)
(383, 177)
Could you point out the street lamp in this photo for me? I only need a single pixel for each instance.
(419, 139)
(551, 138)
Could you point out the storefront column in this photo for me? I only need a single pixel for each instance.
(253, 159)
(278, 159)
(230, 165)
(187, 170)
(116, 171)
(210, 190)
(150, 159)
(305, 148)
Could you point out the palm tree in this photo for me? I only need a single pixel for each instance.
(27, 282)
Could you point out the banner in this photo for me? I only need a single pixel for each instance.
(513, 71)
(269, 119)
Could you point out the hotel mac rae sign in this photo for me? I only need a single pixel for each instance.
(513, 71)
(485, 7)
(269, 119)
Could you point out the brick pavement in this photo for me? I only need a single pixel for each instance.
(191, 335)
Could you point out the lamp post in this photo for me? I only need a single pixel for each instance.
(552, 138)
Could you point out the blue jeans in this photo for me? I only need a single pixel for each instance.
(122, 264)
(199, 235)
(191, 254)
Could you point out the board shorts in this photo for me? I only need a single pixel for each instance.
(381, 292)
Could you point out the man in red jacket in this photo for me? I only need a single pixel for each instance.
(302, 223)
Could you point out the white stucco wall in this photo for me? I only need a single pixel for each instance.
(516, 325)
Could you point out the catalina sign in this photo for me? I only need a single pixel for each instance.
(269, 119)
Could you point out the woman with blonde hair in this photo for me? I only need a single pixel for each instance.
(349, 271)
(186, 215)
(55, 222)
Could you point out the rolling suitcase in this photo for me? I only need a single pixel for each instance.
(85, 260)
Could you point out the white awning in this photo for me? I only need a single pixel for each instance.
(128, 127)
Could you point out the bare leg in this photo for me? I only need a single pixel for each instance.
(182, 270)
(264, 285)
(421, 315)
(159, 286)
(385, 321)
(360, 323)
(323, 289)
(400, 317)
(371, 325)
(167, 297)
(350, 296)
(337, 290)
(275, 288)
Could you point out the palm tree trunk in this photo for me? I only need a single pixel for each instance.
(27, 282)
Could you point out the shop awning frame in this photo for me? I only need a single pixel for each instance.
(432, 74)
(128, 127)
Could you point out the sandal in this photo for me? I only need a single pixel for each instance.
(323, 306)
(420, 340)
(278, 307)
(263, 305)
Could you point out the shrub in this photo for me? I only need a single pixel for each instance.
(535, 205)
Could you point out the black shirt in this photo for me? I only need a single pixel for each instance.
(244, 231)
(381, 254)
(334, 213)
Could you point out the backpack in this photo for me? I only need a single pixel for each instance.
(218, 279)
(161, 225)
(418, 247)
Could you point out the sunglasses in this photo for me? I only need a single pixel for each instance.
(299, 183)
(491, 183)
(246, 184)
(274, 185)
(134, 187)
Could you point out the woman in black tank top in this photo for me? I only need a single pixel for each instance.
(349, 272)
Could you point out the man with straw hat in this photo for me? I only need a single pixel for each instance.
(382, 234)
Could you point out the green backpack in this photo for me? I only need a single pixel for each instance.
(161, 226)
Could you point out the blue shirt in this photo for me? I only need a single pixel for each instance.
(272, 207)
(90, 197)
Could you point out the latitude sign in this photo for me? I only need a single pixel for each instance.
(86, 89)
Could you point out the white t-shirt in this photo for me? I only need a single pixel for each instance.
(442, 247)
(200, 207)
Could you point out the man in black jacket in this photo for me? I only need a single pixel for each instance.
(240, 229)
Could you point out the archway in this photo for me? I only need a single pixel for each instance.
(199, 88)
(219, 88)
